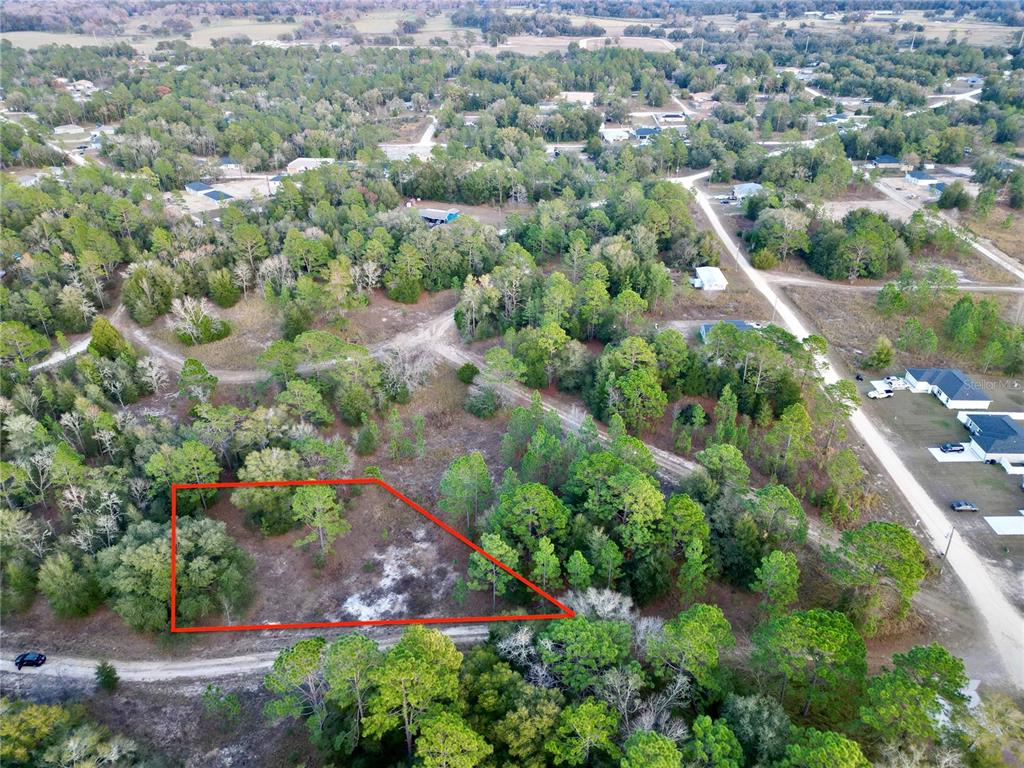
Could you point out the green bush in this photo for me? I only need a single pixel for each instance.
(298, 318)
(763, 259)
(467, 373)
(223, 290)
(368, 439)
(210, 329)
(483, 403)
(106, 676)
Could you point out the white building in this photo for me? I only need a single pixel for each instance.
(951, 385)
(996, 437)
(920, 178)
(615, 135)
(709, 279)
(743, 191)
(300, 164)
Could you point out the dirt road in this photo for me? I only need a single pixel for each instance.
(1004, 622)
(985, 248)
(68, 667)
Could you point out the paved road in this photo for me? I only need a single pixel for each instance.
(1004, 622)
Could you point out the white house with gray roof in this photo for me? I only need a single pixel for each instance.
(996, 438)
(951, 385)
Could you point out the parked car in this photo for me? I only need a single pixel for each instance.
(895, 382)
(880, 394)
(962, 506)
(952, 447)
(30, 659)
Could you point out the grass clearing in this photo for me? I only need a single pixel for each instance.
(1003, 226)
(254, 326)
(145, 42)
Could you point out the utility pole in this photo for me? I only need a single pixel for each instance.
(949, 543)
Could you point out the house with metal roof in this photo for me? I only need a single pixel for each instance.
(995, 437)
(197, 187)
(709, 279)
(645, 134)
(951, 385)
(219, 196)
(888, 163)
(740, 325)
(435, 216)
(748, 189)
(920, 178)
(300, 164)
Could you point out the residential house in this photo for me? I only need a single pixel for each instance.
(995, 437)
(197, 187)
(888, 163)
(218, 196)
(300, 164)
(645, 134)
(748, 189)
(951, 385)
(435, 216)
(742, 325)
(709, 279)
(920, 178)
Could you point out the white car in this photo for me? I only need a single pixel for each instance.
(895, 382)
(880, 394)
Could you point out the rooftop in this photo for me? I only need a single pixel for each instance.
(952, 381)
(998, 433)
(741, 325)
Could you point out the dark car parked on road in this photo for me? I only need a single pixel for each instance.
(30, 659)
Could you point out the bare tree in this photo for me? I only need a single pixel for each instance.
(188, 316)
(153, 373)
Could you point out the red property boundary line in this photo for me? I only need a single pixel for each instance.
(566, 612)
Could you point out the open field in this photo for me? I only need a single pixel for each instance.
(837, 209)
(968, 29)
(849, 321)
(1004, 227)
(145, 42)
(485, 214)
(383, 319)
(254, 327)
(384, 22)
(392, 564)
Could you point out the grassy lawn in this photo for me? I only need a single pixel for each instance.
(915, 422)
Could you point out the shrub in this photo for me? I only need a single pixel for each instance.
(368, 439)
(297, 319)
(106, 676)
(223, 290)
(763, 259)
(482, 403)
(467, 373)
(107, 341)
